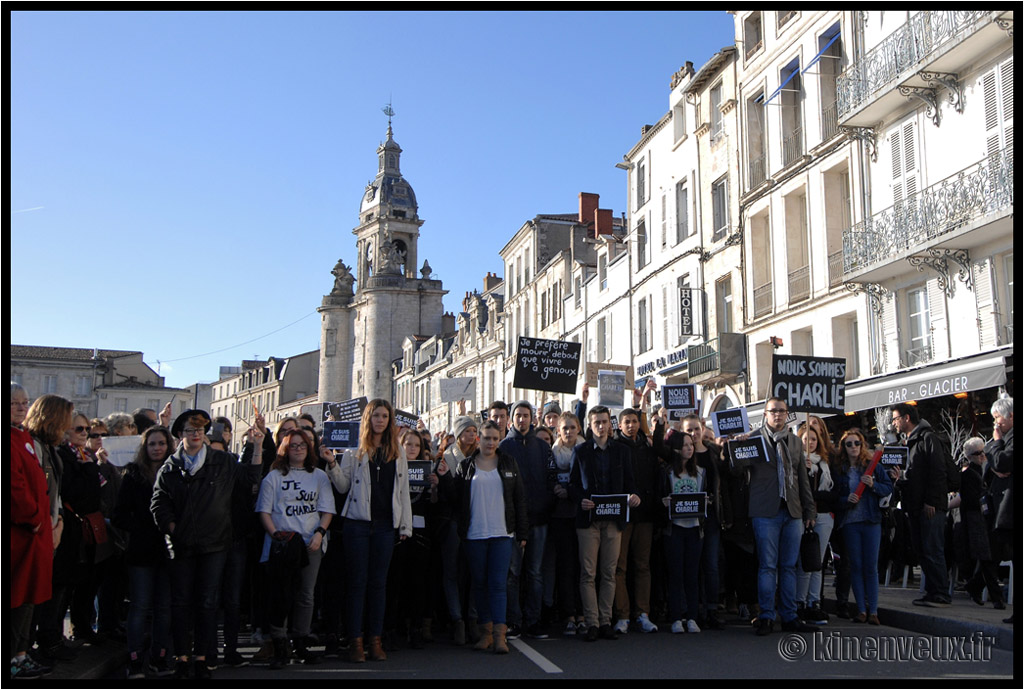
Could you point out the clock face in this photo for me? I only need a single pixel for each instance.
(371, 191)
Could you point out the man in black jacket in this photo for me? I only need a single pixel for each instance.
(925, 498)
(192, 508)
(600, 466)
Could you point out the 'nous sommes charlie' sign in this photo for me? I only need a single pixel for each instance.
(810, 384)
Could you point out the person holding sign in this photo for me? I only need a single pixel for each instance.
(376, 477)
(489, 498)
(295, 505)
(861, 520)
(780, 497)
(601, 466)
(465, 438)
(826, 500)
(683, 536)
(563, 546)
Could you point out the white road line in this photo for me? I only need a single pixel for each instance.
(535, 656)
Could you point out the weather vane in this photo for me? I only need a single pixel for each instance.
(389, 111)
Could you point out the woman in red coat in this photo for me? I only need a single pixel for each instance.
(31, 536)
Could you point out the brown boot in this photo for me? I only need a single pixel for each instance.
(486, 641)
(500, 645)
(376, 652)
(355, 651)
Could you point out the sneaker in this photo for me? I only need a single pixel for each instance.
(931, 600)
(764, 626)
(256, 639)
(607, 632)
(581, 628)
(234, 659)
(26, 669)
(136, 670)
(797, 625)
(622, 626)
(678, 628)
(592, 634)
(645, 624)
(692, 627)
(159, 667)
(815, 615)
(514, 632)
(743, 612)
(537, 631)
(570, 628)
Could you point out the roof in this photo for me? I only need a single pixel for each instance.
(709, 69)
(71, 354)
(136, 385)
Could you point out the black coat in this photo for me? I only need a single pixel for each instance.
(200, 505)
(132, 514)
(455, 491)
(585, 471)
(925, 479)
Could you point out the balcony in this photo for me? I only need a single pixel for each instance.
(835, 268)
(792, 146)
(936, 42)
(917, 356)
(758, 171)
(956, 208)
(720, 359)
(799, 284)
(829, 121)
(763, 298)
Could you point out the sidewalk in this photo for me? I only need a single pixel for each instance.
(963, 617)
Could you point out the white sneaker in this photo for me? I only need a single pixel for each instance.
(691, 626)
(570, 628)
(678, 628)
(622, 626)
(645, 624)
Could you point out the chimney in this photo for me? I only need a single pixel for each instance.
(689, 68)
(588, 205)
(447, 324)
(491, 282)
(603, 222)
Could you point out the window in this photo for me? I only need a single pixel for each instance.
(756, 159)
(919, 322)
(784, 17)
(997, 86)
(904, 163)
(577, 287)
(526, 268)
(120, 404)
(717, 121)
(829, 65)
(153, 404)
(602, 271)
(720, 208)
(602, 339)
(682, 211)
(83, 386)
(791, 102)
(643, 344)
(49, 384)
(723, 304)
(641, 184)
(642, 247)
(664, 220)
(679, 121)
(753, 36)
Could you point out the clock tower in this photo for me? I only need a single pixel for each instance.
(362, 330)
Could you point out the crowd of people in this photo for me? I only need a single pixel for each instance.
(502, 533)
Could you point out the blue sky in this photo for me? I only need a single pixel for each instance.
(183, 182)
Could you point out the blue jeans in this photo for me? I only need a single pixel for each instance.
(368, 549)
(532, 562)
(195, 584)
(778, 547)
(862, 542)
(149, 594)
(929, 538)
(488, 561)
(448, 537)
(682, 556)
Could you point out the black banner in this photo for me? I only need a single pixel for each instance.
(894, 456)
(419, 471)
(347, 411)
(687, 505)
(341, 435)
(547, 365)
(729, 422)
(810, 384)
(403, 418)
(747, 451)
(610, 507)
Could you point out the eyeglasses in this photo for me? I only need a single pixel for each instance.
(96, 435)
(307, 428)
(852, 444)
(777, 411)
(80, 429)
(297, 446)
(980, 452)
(189, 431)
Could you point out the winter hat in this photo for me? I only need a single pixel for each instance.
(461, 424)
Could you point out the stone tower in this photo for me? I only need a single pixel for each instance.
(362, 330)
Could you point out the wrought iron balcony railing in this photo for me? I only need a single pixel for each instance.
(702, 359)
(973, 193)
(922, 35)
(799, 284)
(793, 145)
(835, 268)
(758, 171)
(763, 300)
(829, 121)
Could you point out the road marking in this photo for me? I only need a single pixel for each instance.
(535, 656)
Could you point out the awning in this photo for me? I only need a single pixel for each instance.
(821, 52)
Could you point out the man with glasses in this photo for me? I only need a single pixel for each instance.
(924, 497)
(781, 505)
(191, 505)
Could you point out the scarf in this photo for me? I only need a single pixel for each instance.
(784, 464)
(818, 465)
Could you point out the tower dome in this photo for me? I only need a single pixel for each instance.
(388, 195)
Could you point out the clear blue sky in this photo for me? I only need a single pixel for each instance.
(183, 182)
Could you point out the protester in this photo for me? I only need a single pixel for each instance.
(861, 519)
(780, 498)
(489, 496)
(552, 413)
(563, 545)
(376, 477)
(191, 505)
(545, 434)
(464, 443)
(976, 518)
(121, 424)
(709, 456)
(295, 505)
(533, 456)
(498, 412)
(825, 491)
(638, 535)
(683, 536)
(600, 466)
(31, 552)
(1005, 497)
(924, 498)
(149, 585)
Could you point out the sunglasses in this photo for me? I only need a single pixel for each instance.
(96, 435)
(80, 429)
(852, 444)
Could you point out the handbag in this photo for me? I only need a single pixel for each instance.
(94, 527)
(810, 551)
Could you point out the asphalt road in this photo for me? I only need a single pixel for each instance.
(844, 650)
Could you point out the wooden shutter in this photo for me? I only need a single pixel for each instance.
(890, 335)
(988, 323)
(937, 316)
(997, 87)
